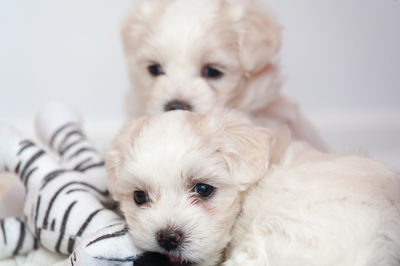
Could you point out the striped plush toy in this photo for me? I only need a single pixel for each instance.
(67, 207)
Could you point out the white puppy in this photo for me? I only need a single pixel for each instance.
(190, 184)
(200, 54)
(317, 209)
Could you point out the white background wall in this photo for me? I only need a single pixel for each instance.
(341, 59)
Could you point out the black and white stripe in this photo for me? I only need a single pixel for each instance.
(65, 208)
(15, 238)
(62, 204)
(113, 245)
(76, 152)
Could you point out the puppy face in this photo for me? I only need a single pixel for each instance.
(179, 177)
(195, 55)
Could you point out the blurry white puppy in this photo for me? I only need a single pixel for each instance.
(190, 184)
(199, 54)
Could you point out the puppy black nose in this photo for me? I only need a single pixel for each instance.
(169, 239)
(177, 105)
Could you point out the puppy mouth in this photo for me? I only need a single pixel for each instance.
(178, 105)
(178, 261)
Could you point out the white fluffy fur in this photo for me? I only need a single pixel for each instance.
(320, 209)
(241, 38)
(277, 202)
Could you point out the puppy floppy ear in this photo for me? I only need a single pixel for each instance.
(135, 24)
(259, 35)
(120, 149)
(244, 147)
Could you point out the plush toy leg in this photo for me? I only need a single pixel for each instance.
(112, 245)
(108, 246)
(15, 238)
(59, 126)
(19, 155)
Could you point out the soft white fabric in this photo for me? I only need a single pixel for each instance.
(65, 207)
(39, 257)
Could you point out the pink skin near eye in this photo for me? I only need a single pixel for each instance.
(207, 207)
(198, 200)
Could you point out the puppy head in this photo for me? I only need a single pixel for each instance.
(198, 54)
(179, 177)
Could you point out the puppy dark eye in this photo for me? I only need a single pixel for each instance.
(155, 70)
(203, 190)
(211, 72)
(141, 197)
